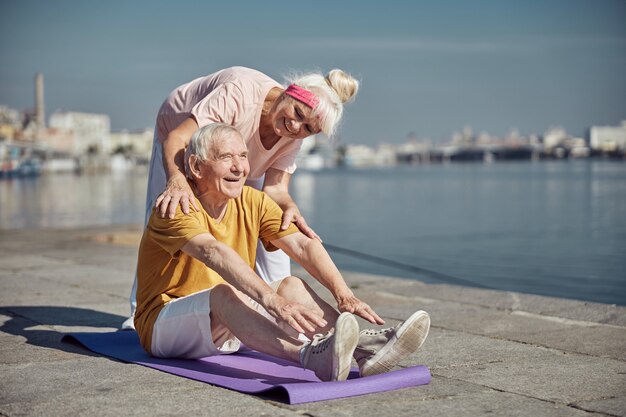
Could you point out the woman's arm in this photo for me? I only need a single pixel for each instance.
(177, 190)
(276, 185)
(310, 253)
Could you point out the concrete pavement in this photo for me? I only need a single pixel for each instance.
(490, 352)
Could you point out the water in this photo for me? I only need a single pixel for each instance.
(67, 200)
(552, 228)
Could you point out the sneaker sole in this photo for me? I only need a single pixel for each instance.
(409, 337)
(346, 339)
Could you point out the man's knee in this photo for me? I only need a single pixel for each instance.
(223, 298)
(291, 284)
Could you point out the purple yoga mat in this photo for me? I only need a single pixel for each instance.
(250, 371)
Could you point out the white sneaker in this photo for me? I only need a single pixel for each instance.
(379, 351)
(129, 324)
(330, 355)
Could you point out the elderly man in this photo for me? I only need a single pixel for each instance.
(199, 296)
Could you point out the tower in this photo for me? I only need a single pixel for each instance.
(40, 111)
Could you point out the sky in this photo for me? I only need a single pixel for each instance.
(427, 67)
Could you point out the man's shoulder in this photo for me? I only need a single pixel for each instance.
(164, 223)
(251, 195)
(253, 200)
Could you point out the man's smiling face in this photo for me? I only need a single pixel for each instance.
(224, 172)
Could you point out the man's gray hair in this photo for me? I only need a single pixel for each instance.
(203, 141)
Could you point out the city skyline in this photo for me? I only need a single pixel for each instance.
(425, 68)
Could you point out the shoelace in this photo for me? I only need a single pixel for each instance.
(372, 332)
(318, 344)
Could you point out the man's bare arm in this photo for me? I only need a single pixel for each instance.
(229, 265)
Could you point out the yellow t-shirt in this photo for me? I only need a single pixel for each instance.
(164, 272)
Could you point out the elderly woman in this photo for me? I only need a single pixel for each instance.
(273, 121)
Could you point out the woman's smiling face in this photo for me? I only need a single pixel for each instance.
(294, 119)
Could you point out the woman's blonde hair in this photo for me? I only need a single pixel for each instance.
(333, 90)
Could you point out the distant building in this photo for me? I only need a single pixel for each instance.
(40, 109)
(62, 141)
(316, 152)
(554, 137)
(90, 133)
(608, 138)
(385, 155)
(359, 156)
(132, 142)
(9, 123)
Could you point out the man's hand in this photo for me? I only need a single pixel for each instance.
(296, 315)
(177, 191)
(292, 215)
(353, 305)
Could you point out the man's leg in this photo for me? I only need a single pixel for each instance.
(230, 308)
(377, 351)
(294, 289)
(329, 356)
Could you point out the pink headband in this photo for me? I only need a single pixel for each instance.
(303, 95)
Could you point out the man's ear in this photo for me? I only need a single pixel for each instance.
(194, 166)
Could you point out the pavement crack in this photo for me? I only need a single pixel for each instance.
(522, 342)
(561, 320)
(544, 400)
(467, 365)
(579, 407)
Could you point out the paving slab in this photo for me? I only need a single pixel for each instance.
(610, 406)
(99, 386)
(400, 404)
(568, 335)
(546, 374)
(490, 352)
(24, 288)
(20, 262)
(100, 278)
(538, 372)
(505, 300)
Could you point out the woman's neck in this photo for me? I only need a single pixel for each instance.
(269, 138)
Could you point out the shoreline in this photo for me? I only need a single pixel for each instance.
(129, 235)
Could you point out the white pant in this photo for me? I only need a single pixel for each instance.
(183, 328)
(271, 266)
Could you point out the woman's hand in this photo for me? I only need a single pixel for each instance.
(276, 185)
(352, 304)
(299, 317)
(292, 215)
(177, 191)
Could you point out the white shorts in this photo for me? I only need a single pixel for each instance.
(183, 328)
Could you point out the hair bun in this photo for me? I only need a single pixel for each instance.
(345, 85)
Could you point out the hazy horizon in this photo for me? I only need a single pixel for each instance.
(425, 68)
